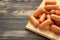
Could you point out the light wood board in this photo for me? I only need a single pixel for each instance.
(46, 33)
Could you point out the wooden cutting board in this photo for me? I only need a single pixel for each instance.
(46, 33)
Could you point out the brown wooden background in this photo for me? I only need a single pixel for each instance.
(14, 15)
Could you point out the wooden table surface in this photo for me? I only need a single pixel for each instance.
(13, 22)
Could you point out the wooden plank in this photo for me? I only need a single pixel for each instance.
(46, 33)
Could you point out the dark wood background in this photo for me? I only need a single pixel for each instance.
(14, 15)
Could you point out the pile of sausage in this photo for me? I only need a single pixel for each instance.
(47, 17)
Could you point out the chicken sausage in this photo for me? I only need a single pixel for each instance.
(34, 21)
(38, 12)
(57, 12)
(42, 17)
(55, 17)
(55, 29)
(44, 24)
(51, 7)
(50, 2)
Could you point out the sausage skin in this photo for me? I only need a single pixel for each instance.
(38, 12)
(34, 21)
(50, 2)
(55, 17)
(48, 16)
(57, 12)
(42, 17)
(55, 29)
(51, 7)
(44, 24)
(52, 11)
(45, 11)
